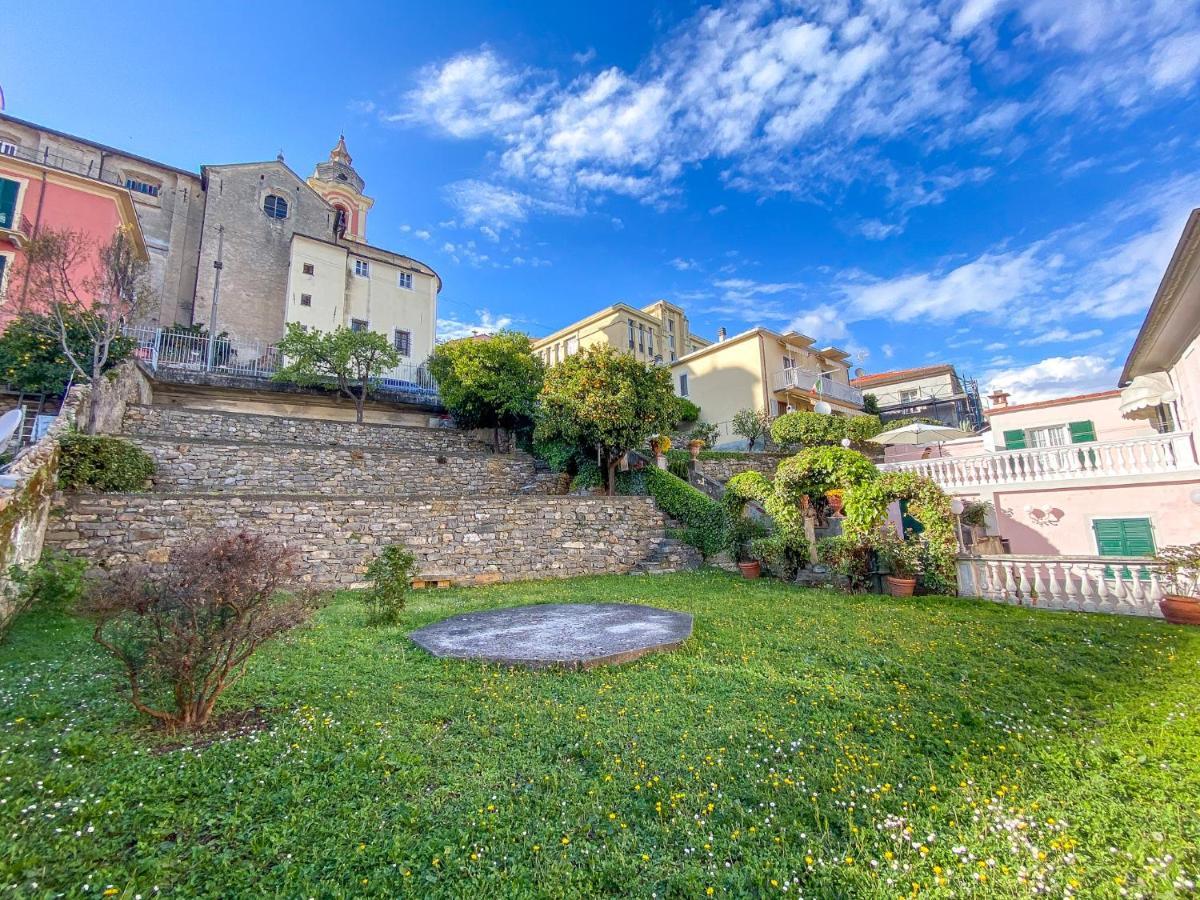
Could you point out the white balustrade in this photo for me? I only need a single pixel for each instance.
(1151, 455)
(805, 379)
(1111, 584)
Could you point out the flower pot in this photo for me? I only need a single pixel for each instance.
(695, 447)
(750, 570)
(900, 587)
(1180, 610)
(661, 462)
(835, 502)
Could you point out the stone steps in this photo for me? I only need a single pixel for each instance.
(221, 466)
(251, 428)
(477, 539)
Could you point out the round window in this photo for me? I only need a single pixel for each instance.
(275, 207)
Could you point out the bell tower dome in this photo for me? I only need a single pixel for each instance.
(336, 180)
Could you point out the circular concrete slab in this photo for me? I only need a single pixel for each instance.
(570, 635)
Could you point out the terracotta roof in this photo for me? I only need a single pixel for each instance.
(1043, 404)
(901, 375)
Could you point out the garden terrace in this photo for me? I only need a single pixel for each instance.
(822, 744)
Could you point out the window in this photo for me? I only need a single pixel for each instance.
(909, 396)
(308, 268)
(8, 149)
(1050, 436)
(572, 346)
(557, 351)
(672, 356)
(630, 333)
(672, 340)
(789, 362)
(1124, 537)
(8, 202)
(306, 299)
(402, 341)
(405, 281)
(3, 264)
(641, 337)
(362, 268)
(275, 207)
(358, 325)
(671, 328)
(151, 190)
(683, 385)
(650, 341)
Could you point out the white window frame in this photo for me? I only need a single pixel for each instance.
(572, 346)
(404, 281)
(396, 341)
(362, 268)
(1046, 436)
(683, 384)
(909, 396)
(8, 148)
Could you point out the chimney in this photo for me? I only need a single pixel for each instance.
(720, 334)
(999, 398)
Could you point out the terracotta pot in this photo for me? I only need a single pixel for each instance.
(750, 570)
(900, 587)
(835, 503)
(695, 447)
(1180, 610)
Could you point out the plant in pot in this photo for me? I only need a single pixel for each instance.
(1181, 579)
(974, 516)
(744, 534)
(659, 445)
(695, 445)
(836, 499)
(902, 558)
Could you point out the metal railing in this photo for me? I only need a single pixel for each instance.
(805, 380)
(43, 157)
(1151, 455)
(165, 349)
(1124, 585)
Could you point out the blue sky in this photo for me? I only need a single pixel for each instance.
(992, 183)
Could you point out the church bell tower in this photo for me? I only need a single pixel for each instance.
(338, 182)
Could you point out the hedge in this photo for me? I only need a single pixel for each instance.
(706, 524)
(102, 463)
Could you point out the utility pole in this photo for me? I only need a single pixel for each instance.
(212, 313)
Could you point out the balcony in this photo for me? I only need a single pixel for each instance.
(803, 380)
(18, 232)
(1137, 458)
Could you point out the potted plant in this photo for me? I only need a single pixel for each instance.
(659, 445)
(903, 559)
(695, 445)
(836, 498)
(1181, 579)
(974, 516)
(743, 537)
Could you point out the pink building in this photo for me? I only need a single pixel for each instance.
(35, 196)
(1109, 474)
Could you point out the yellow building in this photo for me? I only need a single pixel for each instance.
(658, 332)
(764, 370)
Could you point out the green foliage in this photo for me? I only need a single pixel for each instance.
(588, 477)
(491, 382)
(902, 557)
(345, 358)
(782, 554)
(389, 574)
(679, 463)
(705, 431)
(912, 420)
(975, 513)
(1181, 576)
(866, 506)
(752, 424)
(32, 359)
(102, 463)
(57, 579)
(686, 411)
(558, 455)
(871, 404)
(601, 398)
(849, 556)
(861, 429)
(706, 524)
(810, 429)
(815, 471)
(361, 728)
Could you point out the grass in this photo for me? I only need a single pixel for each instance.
(801, 744)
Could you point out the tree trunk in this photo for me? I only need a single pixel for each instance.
(360, 401)
(610, 466)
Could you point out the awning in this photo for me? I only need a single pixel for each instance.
(1147, 391)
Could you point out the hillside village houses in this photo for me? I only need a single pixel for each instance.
(658, 332)
(289, 249)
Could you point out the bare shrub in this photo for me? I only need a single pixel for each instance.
(184, 632)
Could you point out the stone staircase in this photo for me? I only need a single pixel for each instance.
(337, 492)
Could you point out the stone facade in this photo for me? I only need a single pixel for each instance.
(190, 466)
(158, 421)
(480, 539)
(723, 468)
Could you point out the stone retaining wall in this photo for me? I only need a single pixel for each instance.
(203, 466)
(501, 539)
(161, 421)
(724, 468)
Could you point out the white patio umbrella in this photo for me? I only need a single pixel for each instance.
(918, 434)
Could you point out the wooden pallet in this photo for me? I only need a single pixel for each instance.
(421, 582)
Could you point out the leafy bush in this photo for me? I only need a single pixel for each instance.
(807, 429)
(588, 477)
(706, 524)
(679, 463)
(102, 463)
(753, 425)
(33, 358)
(57, 579)
(686, 411)
(389, 574)
(743, 533)
(782, 553)
(903, 557)
(558, 455)
(870, 404)
(975, 513)
(849, 556)
(817, 470)
(1182, 574)
(704, 431)
(861, 429)
(184, 633)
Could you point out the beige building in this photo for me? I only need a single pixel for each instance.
(764, 370)
(932, 392)
(655, 333)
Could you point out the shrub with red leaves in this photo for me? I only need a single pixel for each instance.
(185, 631)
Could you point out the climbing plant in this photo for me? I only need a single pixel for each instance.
(867, 503)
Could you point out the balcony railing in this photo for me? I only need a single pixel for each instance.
(19, 231)
(1126, 585)
(44, 157)
(802, 379)
(1161, 454)
(173, 351)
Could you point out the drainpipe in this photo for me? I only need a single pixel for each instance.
(37, 225)
(212, 313)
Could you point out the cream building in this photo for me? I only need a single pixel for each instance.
(655, 333)
(934, 392)
(764, 370)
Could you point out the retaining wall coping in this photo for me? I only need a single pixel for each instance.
(176, 440)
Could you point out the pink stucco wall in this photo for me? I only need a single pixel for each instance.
(1103, 412)
(1185, 375)
(971, 446)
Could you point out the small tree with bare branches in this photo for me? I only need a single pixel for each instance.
(70, 284)
(187, 631)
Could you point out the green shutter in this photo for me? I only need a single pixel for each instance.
(8, 202)
(1124, 537)
(1082, 432)
(1015, 439)
(1110, 537)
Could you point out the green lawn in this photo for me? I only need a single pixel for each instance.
(802, 743)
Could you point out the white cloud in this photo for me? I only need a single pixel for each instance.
(1057, 376)
(875, 230)
(490, 233)
(422, 234)
(823, 324)
(497, 207)
(1062, 336)
(683, 265)
(888, 350)
(483, 323)
(718, 209)
(470, 95)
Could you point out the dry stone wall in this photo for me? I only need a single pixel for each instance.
(184, 466)
(161, 421)
(479, 539)
(724, 468)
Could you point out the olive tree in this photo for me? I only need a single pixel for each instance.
(347, 358)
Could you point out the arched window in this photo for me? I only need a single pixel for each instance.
(275, 207)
